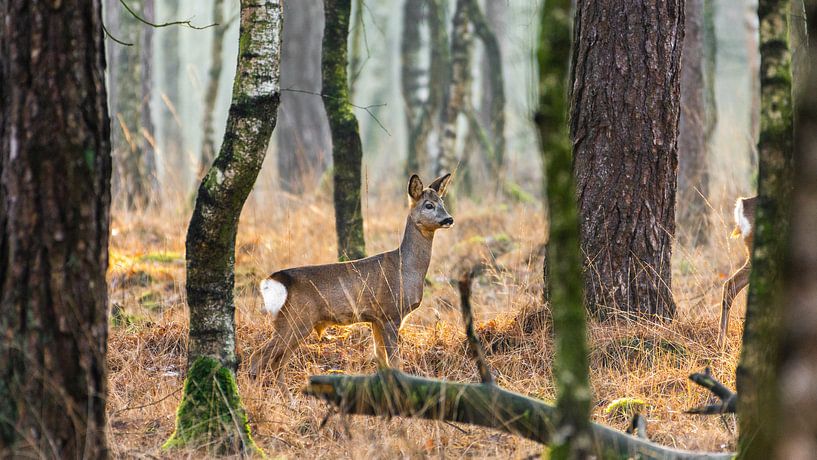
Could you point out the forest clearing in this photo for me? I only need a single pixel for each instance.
(567, 229)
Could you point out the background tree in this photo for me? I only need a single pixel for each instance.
(757, 372)
(130, 75)
(169, 68)
(208, 148)
(347, 150)
(624, 126)
(693, 170)
(55, 170)
(210, 412)
(797, 436)
(565, 265)
(303, 138)
(411, 83)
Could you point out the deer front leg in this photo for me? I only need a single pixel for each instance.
(731, 288)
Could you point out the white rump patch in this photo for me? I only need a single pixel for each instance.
(275, 294)
(740, 219)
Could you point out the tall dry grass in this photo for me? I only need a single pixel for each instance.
(650, 362)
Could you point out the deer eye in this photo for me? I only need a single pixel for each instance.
(429, 205)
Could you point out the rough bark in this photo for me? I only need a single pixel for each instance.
(210, 244)
(757, 371)
(798, 363)
(392, 393)
(55, 170)
(624, 127)
(495, 86)
(565, 265)
(303, 139)
(693, 172)
(458, 97)
(347, 150)
(130, 76)
(208, 148)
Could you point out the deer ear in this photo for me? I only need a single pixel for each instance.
(415, 187)
(439, 185)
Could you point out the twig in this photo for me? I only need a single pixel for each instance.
(152, 403)
(165, 24)
(729, 399)
(474, 344)
(108, 34)
(366, 108)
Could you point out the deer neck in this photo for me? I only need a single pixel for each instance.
(415, 249)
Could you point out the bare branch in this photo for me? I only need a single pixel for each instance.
(729, 399)
(187, 23)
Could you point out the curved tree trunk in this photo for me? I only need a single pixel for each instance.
(565, 267)
(624, 126)
(347, 151)
(757, 372)
(210, 393)
(798, 431)
(693, 171)
(208, 147)
(55, 170)
(303, 139)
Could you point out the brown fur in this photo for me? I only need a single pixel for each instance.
(740, 279)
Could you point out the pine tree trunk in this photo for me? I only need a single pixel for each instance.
(347, 150)
(797, 437)
(757, 372)
(303, 139)
(693, 170)
(55, 170)
(565, 261)
(624, 127)
(458, 97)
(210, 393)
(208, 148)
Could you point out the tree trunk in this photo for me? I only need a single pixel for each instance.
(753, 58)
(496, 88)
(170, 68)
(797, 438)
(624, 127)
(439, 71)
(55, 170)
(411, 83)
(565, 269)
(303, 138)
(130, 75)
(208, 148)
(347, 151)
(458, 98)
(355, 52)
(693, 170)
(757, 372)
(210, 247)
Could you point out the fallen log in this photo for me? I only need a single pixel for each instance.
(392, 393)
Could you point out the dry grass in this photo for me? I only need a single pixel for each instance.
(650, 362)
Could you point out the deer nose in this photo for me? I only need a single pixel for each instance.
(448, 221)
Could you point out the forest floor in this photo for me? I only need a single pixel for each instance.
(146, 351)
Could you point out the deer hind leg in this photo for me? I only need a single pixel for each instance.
(731, 288)
(289, 331)
(385, 344)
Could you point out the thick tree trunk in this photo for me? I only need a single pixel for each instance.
(208, 148)
(210, 245)
(130, 75)
(693, 171)
(458, 98)
(798, 364)
(347, 150)
(624, 127)
(565, 267)
(55, 170)
(303, 139)
(757, 372)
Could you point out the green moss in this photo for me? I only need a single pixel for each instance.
(624, 408)
(210, 414)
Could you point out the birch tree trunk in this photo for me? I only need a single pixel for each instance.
(411, 83)
(757, 371)
(624, 127)
(210, 413)
(347, 150)
(55, 170)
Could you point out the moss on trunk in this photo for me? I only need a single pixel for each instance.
(347, 150)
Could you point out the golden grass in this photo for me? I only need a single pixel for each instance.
(649, 362)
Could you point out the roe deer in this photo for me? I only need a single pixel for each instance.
(380, 290)
(744, 222)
